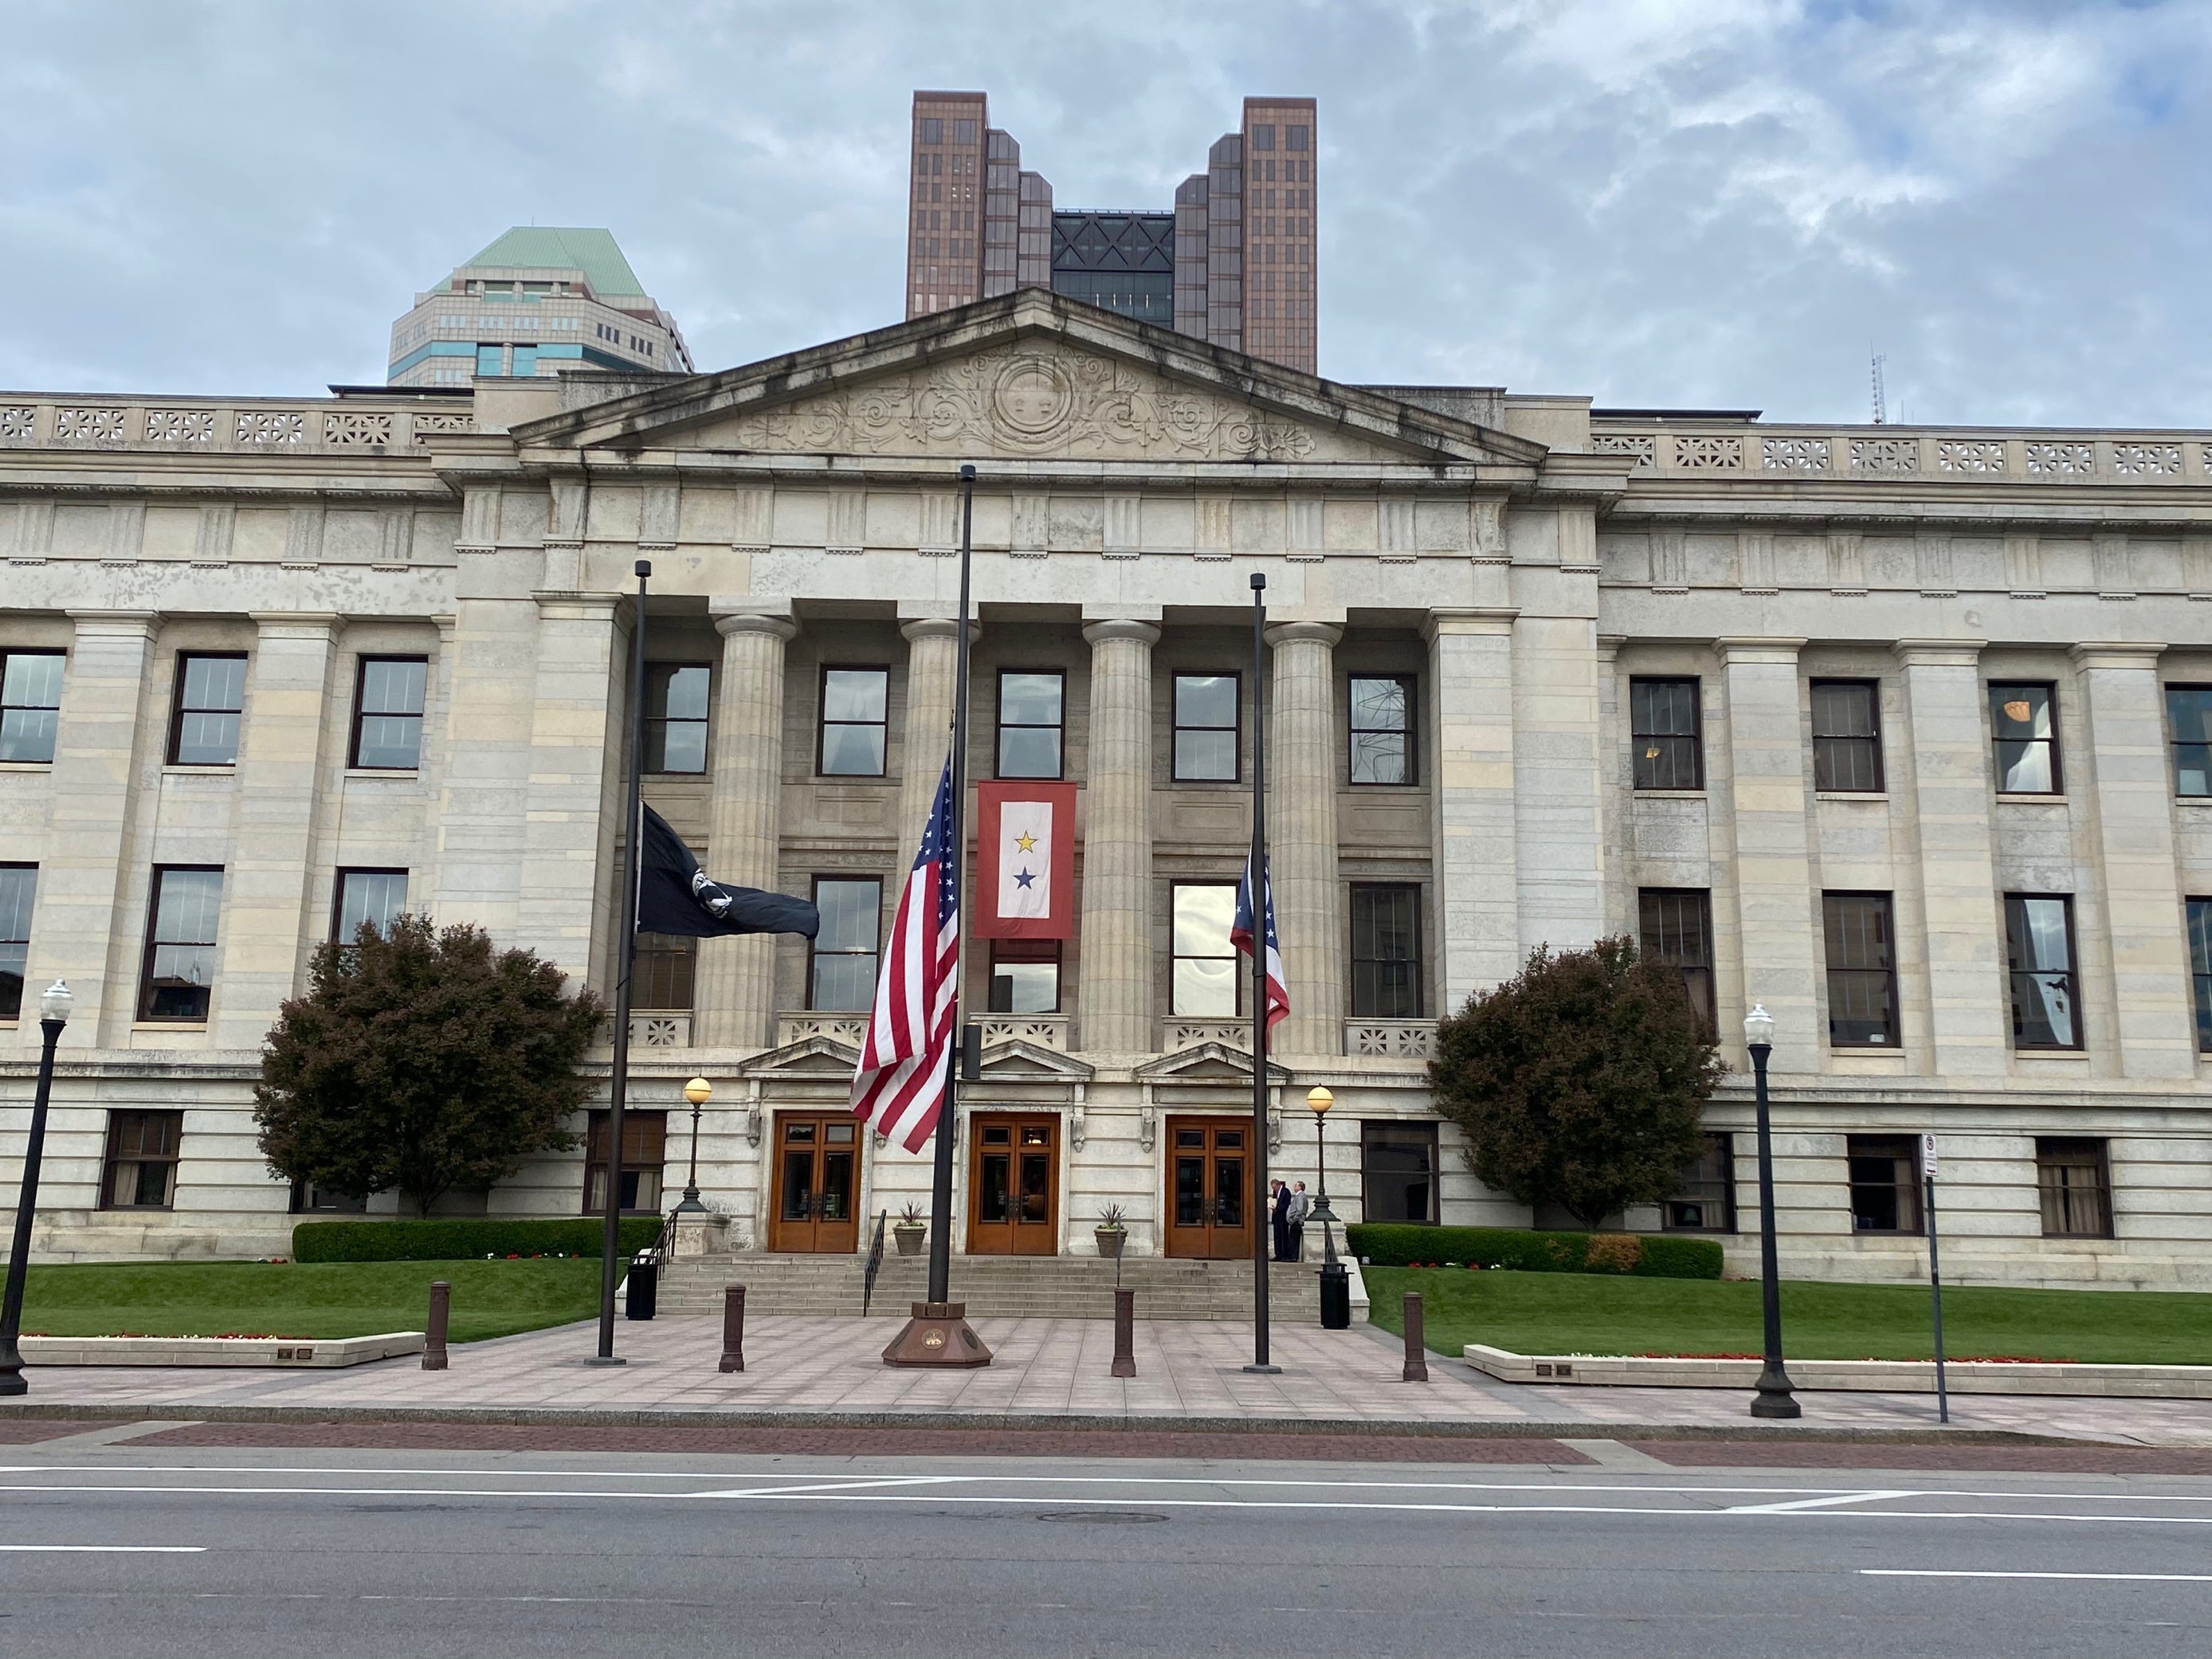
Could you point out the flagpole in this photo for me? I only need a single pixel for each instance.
(940, 1189)
(1263, 900)
(625, 962)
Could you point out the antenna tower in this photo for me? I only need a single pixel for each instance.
(1880, 407)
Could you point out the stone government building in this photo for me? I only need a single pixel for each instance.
(1903, 731)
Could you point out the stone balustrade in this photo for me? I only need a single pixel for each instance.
(1390, 1039)
(653, 1029)
(217, 427)
(1934, 455)
(847, 1029)
(1038, 1030)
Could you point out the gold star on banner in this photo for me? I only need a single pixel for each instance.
(1026, 842)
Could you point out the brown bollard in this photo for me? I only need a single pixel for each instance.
(733, 1328)
(1417, 1351)
(1125, 1331)
(434, 1335)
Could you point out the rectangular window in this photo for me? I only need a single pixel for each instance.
(487, 359)
(141, 1168)
(662, 979)
(1847, 737)
(19, 887)
(1263, 135)
(525, 361)
(2024, 719)
(1884, 1176)
(1398, 1172)
(366, 898)
(387, 718)
(1206, 713)
(204, 722)
(1386, 953)
(2189, 713)
(178, 974)
(1206, 984)
(676, 716)
(2200, 968)
(1862, 969)
(1030, 707)
(307, 1199)
(2073, 1180)
(841, 971)
(2039, 947)
(933, 130)
(1662, 718)
(644, 1156)
(30, 704)
(1381, 718)
(855, 711)
(1025, 977)
(1675, 925)
(1704, 1202)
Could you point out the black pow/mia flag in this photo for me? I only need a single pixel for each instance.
(674, 895)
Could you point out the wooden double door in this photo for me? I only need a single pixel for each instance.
(1013, 1183)
(1210, 1206)
(817, 1183)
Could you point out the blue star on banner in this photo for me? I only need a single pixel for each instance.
(1023, 878)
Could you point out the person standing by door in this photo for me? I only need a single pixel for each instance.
(1300, 1208)
(1279, 1205)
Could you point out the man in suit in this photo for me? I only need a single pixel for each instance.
(1279, 1205)
(1300, 1208)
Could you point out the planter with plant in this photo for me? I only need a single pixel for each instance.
(1111, 1233)
(911, 1229)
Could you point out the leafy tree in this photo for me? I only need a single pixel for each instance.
(1579, 1081)
(424, 1060)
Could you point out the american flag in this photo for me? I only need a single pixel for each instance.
(1239, 935)
(899, 1084)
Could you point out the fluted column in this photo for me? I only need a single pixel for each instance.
(736, 981)
(931, 665)
(1116, 998)
(1302, 767)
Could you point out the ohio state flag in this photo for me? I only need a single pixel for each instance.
(1024, 859)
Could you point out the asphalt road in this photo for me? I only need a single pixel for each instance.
(126, 1550)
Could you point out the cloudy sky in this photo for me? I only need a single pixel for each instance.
(1703, 203)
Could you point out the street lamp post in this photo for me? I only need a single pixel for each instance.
(1336, 1282)
(53, 1014)
(698, 1090)
(1774, 1398)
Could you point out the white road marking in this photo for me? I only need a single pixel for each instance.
(2114, 1578)
(1819, 1502)
(104, 1549)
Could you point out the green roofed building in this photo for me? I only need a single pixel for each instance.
(541, 299)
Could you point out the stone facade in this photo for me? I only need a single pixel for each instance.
(1520, 565)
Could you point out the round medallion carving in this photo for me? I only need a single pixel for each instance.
(1032, 398)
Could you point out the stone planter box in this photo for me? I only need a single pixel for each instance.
(910, 1240)
(1847, 1375)
(286, 1352)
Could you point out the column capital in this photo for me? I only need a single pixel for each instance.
(1775, 651)
(1467, 620)
(1123, 628)
(731, 623)
(1940, 653)
(1295, 633)
(916, 629)
(575, 606)
(295, 624)
(127, 624)
(2116, 653)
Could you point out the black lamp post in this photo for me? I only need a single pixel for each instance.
(1774, 1398)
(1336, 1282)
(53, 1014)
(697, 1091)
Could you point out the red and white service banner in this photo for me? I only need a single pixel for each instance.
(1025, 860)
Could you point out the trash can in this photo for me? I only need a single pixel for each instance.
(1335, 1297)
(642, 1298)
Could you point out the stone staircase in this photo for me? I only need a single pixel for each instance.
(994, 1287)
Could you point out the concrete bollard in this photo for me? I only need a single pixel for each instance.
(1125, 1331)
(1417, 1351)
(433, 1333)
(733, 1328)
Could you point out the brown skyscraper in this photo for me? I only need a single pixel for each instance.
(1234, 262)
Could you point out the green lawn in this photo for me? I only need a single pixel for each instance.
(1597, 1314)
(312, 1299)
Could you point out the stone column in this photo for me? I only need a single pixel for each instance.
(1477, 906)
(1556, 811)
(1777, 908)
(1116, 996)
(737, 976)
(1958, 873)
(489, 719)
(265, 926)
(576, 747)
(2129, 793)
(932, 665)
(1303, 765)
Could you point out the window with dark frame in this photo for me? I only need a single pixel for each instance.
(1704, 1199)
(1207, 727)
(18, 890)
(2189, 717)
(1024, 976)
(644, 1159)
(2200, 968)
(1398, 1172)
(1032, 709)
(1663, 720)
(375, 896)
(1885, 1178)
(178, 977)
(1379, 719)
(1386, 951)
(30, 705)
(2024, 725)
(662, 981)
(851, 741)
(1847, 737)
(140, 1170)
(841, 962)
(2039, 952)
(387, 718)
(210, 695)
(1674, 926)
(1203, 983)
(1862, 963)
(676, 696)
(308, 1199)
(2074, 1182)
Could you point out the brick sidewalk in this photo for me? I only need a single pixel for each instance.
(1051, 1371)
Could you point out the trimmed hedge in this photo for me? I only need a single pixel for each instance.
(456, 1241)
(1388, 1244)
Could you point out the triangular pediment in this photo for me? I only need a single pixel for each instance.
(1208, 1062)
(809, 1057)
(1017, 1060)
(1031, 375)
